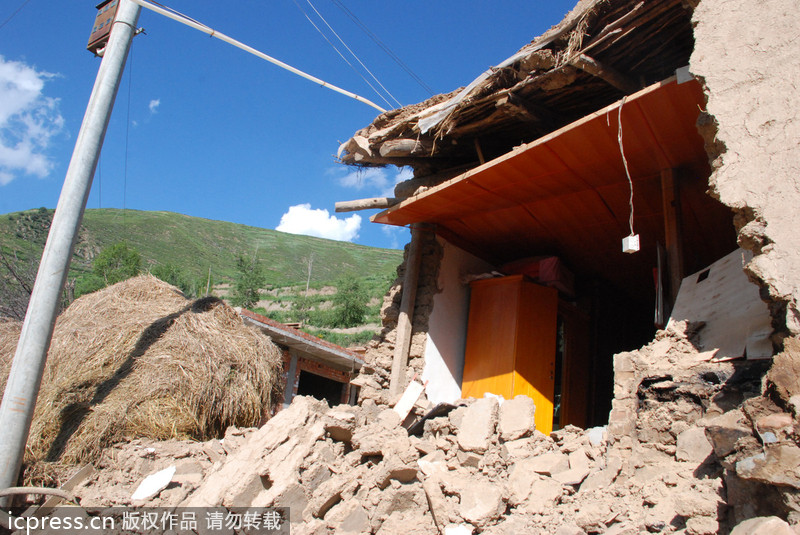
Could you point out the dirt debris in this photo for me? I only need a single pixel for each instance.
(691, 460)
(693, 446)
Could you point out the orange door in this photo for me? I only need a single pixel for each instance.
(491, 339)
(511, 343)
(536, 350)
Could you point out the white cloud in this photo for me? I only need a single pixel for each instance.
(375, 179)
(154, 104)
(302, 219)
(28, 120)
(369, 178)
(397, 236)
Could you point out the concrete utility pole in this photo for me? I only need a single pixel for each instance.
(19, 399)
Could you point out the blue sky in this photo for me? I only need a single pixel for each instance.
(204, 129)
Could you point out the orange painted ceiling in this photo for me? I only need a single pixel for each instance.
(567, 193)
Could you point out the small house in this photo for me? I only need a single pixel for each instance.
(311, 366)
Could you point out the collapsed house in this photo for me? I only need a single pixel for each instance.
(687, 349)
(638, 162)
(604, 128)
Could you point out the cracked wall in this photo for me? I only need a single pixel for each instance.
(746, 56)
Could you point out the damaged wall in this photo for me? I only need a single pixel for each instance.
(746, 56)
(672, 403)
(447, 333)
(374, 375)
(736, 418)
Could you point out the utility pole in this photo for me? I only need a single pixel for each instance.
(19, 399)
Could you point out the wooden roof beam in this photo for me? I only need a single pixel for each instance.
(527, 110)
(605, 72)
(394, 148)
(366, 204)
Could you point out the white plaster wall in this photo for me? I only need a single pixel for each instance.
(447, 324)
(748, 55)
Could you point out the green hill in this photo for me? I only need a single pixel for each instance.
(196, 245)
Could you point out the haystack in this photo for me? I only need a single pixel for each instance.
(138, 359)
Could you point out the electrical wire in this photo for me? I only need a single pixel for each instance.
(14, 14)
(624, 161)
(397, 102)
(127, 136)
(342, 55)
(183, 19)
(100, 180)
(383, 46)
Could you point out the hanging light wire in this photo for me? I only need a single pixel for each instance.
(397, 102)
(188, 21)
(624, 161)
(383, 46)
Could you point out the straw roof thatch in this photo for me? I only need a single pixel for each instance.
(138, 359)
(601, 51)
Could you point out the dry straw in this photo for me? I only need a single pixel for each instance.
(138, 359)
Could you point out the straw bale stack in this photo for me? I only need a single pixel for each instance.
(138, 359)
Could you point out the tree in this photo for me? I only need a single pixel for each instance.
(301, 308)
(350, 303)
(116, 263)
(249, 280)
(203, 285)
(172, 274)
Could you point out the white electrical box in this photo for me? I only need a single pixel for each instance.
(630, 244)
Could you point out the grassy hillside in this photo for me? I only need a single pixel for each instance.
(196, 245)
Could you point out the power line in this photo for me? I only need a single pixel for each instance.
(385, 48)
(340, 54)
(127, 135)
(174, 15)
(14, 14)
(100, 181)
(351, 53)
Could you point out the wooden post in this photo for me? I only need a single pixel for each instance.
(478, 149)
(670, 194)
(291, 379)
(405, 319)
(365, 204)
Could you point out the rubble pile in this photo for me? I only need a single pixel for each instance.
(738, 420)
(703, 450)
